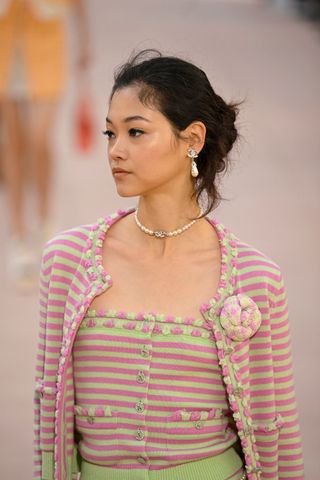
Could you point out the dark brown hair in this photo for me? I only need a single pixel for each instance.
(183, 94)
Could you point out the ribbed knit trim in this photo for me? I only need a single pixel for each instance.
(76, 461)
(225, 466)
(47, 466)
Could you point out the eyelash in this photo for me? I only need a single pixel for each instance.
(109, 133)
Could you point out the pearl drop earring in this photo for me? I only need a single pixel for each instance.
(193, 154)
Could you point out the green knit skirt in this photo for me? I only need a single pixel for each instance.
(226, 466)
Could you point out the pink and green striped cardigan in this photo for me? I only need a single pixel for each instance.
(249, 314)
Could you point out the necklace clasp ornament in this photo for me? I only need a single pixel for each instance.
(160, 233)
(163, 233)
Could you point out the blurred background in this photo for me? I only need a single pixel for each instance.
(51, 149)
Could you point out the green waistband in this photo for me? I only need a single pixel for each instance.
(227, 465)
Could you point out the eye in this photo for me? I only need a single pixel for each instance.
(135, 132)
(108, 133)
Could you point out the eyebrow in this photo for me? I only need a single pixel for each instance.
(130, 119)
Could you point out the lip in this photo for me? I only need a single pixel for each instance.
(119, 170)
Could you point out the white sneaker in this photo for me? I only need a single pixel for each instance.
(21, 264)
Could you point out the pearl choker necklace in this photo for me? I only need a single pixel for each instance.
(163, 233)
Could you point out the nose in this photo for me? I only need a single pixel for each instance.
(117, 149)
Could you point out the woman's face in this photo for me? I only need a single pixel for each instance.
(141, 141)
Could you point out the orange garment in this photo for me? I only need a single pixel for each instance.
(37, 30)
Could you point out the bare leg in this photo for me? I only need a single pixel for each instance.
(20, 259)
(41, 121)
(14, 152)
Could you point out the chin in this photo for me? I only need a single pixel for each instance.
(122, 192)
(134, 191)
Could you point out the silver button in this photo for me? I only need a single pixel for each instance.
(256, 470)
(144, 351)
(142, 460)
(238, 391)
(139, 406)
(140, 434)
(141, 378)
(228, 350)
(90, 420)
(198, 424)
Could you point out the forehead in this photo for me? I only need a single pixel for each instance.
(126, 103)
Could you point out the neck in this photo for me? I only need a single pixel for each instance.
(166, 215)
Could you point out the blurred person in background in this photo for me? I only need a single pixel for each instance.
(164, 348)
(32, 80)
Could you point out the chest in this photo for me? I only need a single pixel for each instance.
(178, 286)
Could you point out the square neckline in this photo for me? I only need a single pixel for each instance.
(226, 276)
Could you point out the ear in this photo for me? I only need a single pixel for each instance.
(195, 135)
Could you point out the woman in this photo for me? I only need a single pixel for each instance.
(163, 348)
(32, 80)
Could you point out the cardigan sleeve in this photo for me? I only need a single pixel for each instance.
(43, 457)
(290, 462)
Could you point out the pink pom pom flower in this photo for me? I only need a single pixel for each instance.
(240, 317)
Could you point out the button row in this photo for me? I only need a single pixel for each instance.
(140, 406)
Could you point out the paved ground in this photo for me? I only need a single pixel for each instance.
(251, 50)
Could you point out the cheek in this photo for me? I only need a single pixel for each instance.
(159, 149)
(156, 162)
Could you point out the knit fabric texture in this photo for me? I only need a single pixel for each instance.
(248, 319)
(148, 390)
